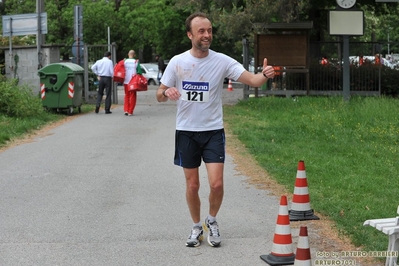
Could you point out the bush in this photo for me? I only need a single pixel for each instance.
(389, 83)
(18, 101)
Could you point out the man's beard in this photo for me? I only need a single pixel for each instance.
(203, 47)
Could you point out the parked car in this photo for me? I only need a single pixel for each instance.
(150, 72)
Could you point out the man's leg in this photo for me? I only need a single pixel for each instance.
(192, 197)
(215, 177)
(126, 99)
(194, 206)
(133, 100)
(159, 76)
(108, 88)
(100, 94)
(213, 156)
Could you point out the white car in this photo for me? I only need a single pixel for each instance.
(150, 72)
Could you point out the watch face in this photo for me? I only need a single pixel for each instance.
(346, 3)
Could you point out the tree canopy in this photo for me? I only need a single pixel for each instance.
(157, 26)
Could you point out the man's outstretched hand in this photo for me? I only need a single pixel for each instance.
(267, 71)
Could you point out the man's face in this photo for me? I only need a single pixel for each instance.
(201, 33)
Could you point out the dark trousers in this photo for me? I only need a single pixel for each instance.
(104, 83)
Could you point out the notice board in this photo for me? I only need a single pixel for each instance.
(289, 50)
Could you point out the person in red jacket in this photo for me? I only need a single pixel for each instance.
(324, 61)
(361, 60)
(132, 67)
(377, 59)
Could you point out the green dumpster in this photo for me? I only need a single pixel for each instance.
(264, 86)
(61, 86)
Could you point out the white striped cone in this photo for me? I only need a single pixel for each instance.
(42, 91)
(282, 250)
(230, 87)
(301, 199)
(300, 207)
(302, 257)
(71, 90)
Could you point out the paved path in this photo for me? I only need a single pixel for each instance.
(103, 190)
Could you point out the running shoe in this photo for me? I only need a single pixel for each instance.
(214, 238)
(195, 238)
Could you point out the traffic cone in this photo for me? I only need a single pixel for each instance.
(282, 251)
(230, 87)
(302, 257)
(300, 207)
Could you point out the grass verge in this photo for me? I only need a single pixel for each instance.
(12, 128)
(350, 151)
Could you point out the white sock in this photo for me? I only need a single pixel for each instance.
(199, 224)
(211, 219)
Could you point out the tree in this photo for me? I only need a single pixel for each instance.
(157, 26)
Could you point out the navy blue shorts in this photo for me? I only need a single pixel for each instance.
(191, 147)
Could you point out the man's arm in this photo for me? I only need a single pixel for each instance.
(257, 80)
(253, 80)
(94, 68)
(161, 93)
(111, 69)
(164, 93)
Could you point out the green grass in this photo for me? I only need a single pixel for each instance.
(22, 112)
(17, 127)
(350, 150)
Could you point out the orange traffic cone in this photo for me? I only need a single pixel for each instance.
(282, 251)
(302, 257)
(230, 87)
(300, 207)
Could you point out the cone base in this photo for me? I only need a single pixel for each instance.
(278, 260)
(302, 215)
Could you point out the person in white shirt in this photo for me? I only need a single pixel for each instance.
(104, 69)
(195, 80)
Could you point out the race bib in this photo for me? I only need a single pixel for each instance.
(195, 91)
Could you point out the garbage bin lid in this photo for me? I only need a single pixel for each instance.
(55, 67)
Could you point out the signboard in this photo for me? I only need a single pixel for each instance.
(282, 49)
(78, 49)
(24, 24)
(346, 23)
(78, 22)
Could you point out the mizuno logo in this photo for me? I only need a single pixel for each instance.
(195, 86)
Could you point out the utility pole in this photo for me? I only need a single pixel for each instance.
(39, 35)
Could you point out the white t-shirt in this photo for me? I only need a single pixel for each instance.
(130, 68)
(200, 82)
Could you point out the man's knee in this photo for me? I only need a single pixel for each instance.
(193, 187)
(216, 186)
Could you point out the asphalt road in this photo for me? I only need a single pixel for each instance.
(103, 190)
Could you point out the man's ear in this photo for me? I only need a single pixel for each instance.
(189, 35)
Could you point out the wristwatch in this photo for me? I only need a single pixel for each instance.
(163, 93)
